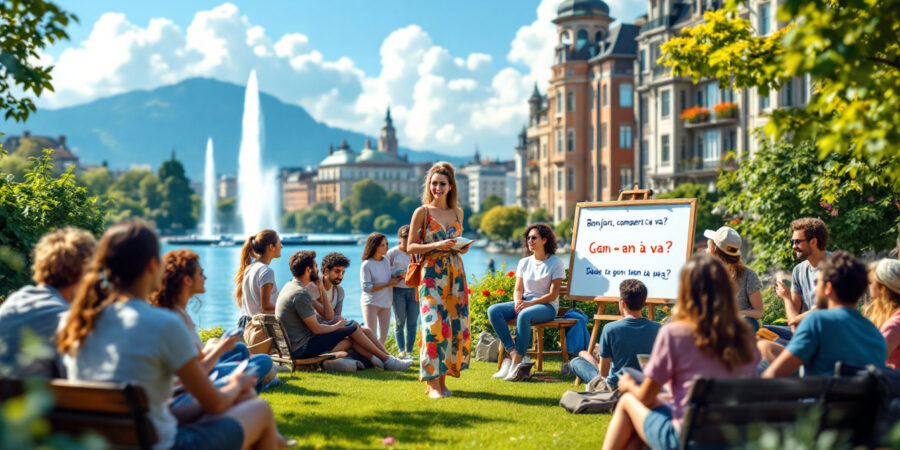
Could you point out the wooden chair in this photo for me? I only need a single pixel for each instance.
(281, 352)
(115, 411)
(723, 411)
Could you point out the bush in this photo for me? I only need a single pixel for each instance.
(207, 333)
(486, 291)
(773, 308)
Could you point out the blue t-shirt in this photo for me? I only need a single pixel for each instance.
(39, 309)
(827, 336)
(624, 339)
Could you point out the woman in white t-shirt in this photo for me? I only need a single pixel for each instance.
(377, 280)
(538, 278)
(256, 290)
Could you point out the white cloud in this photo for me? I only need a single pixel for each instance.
(438, 100)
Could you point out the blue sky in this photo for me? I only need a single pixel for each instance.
(456, 74)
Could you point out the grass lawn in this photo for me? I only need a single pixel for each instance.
(358, 410)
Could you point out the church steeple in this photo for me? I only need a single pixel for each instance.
(477, 158)
(388, 141)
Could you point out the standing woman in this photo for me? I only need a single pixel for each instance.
(536, 300)
(443, 294)
(255, 280)
(725, 245)
(112, 334)
(884, 305)
(377, 282)
(406, 309)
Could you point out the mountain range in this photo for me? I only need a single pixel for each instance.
(144, 127)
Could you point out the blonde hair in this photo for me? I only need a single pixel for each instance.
(61, 256)
(881, 307)
(446, 169)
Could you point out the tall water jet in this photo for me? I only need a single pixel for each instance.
(256, 193)
(209, 192)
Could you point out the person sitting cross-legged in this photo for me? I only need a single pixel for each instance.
(309, 338)
(835, 330)
(620, 342)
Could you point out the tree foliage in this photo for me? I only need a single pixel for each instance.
(783, 182)
(850, 49)
(27, 28)
(41, 203)
(564, 230)
(369, 207)
(540, 215)
(501, 222)
(176, 206)
(706, 202)
(490, 202)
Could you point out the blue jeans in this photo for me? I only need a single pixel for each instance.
(583, 369)
(754, 324)
(784, 333)
(406, 318)
(499, 313)
(239, 353)
(232, 358)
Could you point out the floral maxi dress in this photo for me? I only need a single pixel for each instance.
(444, 304)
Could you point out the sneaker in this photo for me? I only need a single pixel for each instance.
(401, 355)
(377, 362)
(396, 365)
(504, 369)
(521, 371)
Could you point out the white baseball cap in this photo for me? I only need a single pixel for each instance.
(728, 240)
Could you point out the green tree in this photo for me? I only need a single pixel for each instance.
(408, 206)
(362, 221)
(540, 215)
(343, 225)
(783, 182)
(706, 202)
(41, 203)
(385, 224)
(850, 49)
(475, 222)
(226, 209)
(97, 181)
(501, 222)
(289, 221)
(366, 194)
(177, 210)
(564, 229)
(490, 202)
(26, 29)
(14, 165)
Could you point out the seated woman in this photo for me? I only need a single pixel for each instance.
(884, 305)
(725, 244)
(112, 334)
(536, 299)
(705, 337)
(182, 279)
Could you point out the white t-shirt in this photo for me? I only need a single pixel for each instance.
(256, 276)
(538, 275)
(399, 263)
(336, 294)
(375, 273)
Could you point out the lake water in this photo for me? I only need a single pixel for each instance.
(217, 307)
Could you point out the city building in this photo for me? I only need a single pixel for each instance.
(483, 178)
(63, 157)
(685, 130)
(228, 185)
(298, 188)
(343, 168)
(581, 135)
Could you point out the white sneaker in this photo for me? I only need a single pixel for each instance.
(521, 371)
(504, 369)
(395, 365)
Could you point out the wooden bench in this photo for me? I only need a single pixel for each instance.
(281, 351)
(537, 340)
(730, 410)
(116, 411)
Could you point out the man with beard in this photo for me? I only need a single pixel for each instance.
(835, 330)
(328, 299)
(309, 338)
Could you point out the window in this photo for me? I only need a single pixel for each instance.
(604, 100)
(603, 178)
(626, 177)
(559, 180)
(625, 99)
(559, 141)
(683, 101)
(787, 93)
(700, 101)
(559, 101)
(763, 103)
(664, 104)
(593, 98)
(642, 60)
(645, 115)
(591, 184)
(802, 90)
(565, 38)
(581, 40)
(570, 101)
(603, 139)
(559, 214)
(728, 95)
(645, 153)
(665, 152)
(591, 140)
(570, 141)
(763, 19)
(625, 136)
(571, 179)
(546, 184)
(543, 149)
(711, 145)
(712, 94)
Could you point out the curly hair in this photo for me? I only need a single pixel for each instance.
(706, 300)
(177, 264)
(546, 233)
(846, 274)
(335, 259)
(61, 256)
(812, 228)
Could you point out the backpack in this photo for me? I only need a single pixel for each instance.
(590, 402)
(487, 348)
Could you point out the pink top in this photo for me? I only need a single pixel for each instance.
(676, 360)
(891, 332)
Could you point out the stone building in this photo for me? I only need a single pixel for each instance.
(298, 189)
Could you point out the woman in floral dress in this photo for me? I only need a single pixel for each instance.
(443, 295)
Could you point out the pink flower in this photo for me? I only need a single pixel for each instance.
(425, 308)
(388, 441)
(871, 199)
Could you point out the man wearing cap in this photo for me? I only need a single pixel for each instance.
(810, 236)
(725, 245)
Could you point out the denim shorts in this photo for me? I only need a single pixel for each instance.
(659, 429)
(218, 433)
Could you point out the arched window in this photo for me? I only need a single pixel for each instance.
(565, 38)
(599, 38)
(582, 40)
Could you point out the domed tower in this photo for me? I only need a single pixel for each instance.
(581, 25)
(534, 104)
(388, 141)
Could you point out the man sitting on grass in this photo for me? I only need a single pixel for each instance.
(620, 342)
(309, 338)
(835, 330)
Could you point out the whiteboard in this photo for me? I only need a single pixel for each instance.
(646, 240)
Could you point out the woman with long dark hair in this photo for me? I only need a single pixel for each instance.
(377, 283)
(706, 336)
(443, 294)
(182, 280)
(536, 300)
(256, 290)
(112, 334)
(725, 245)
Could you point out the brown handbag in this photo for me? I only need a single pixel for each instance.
(414, 270)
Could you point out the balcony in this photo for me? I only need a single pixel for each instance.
(662, 21)
(700, 117)
(697, 164)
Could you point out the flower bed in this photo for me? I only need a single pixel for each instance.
(696, 114)
(725, 110)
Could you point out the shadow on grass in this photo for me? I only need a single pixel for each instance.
(405, 426)
(480, 395)
(294, 389)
